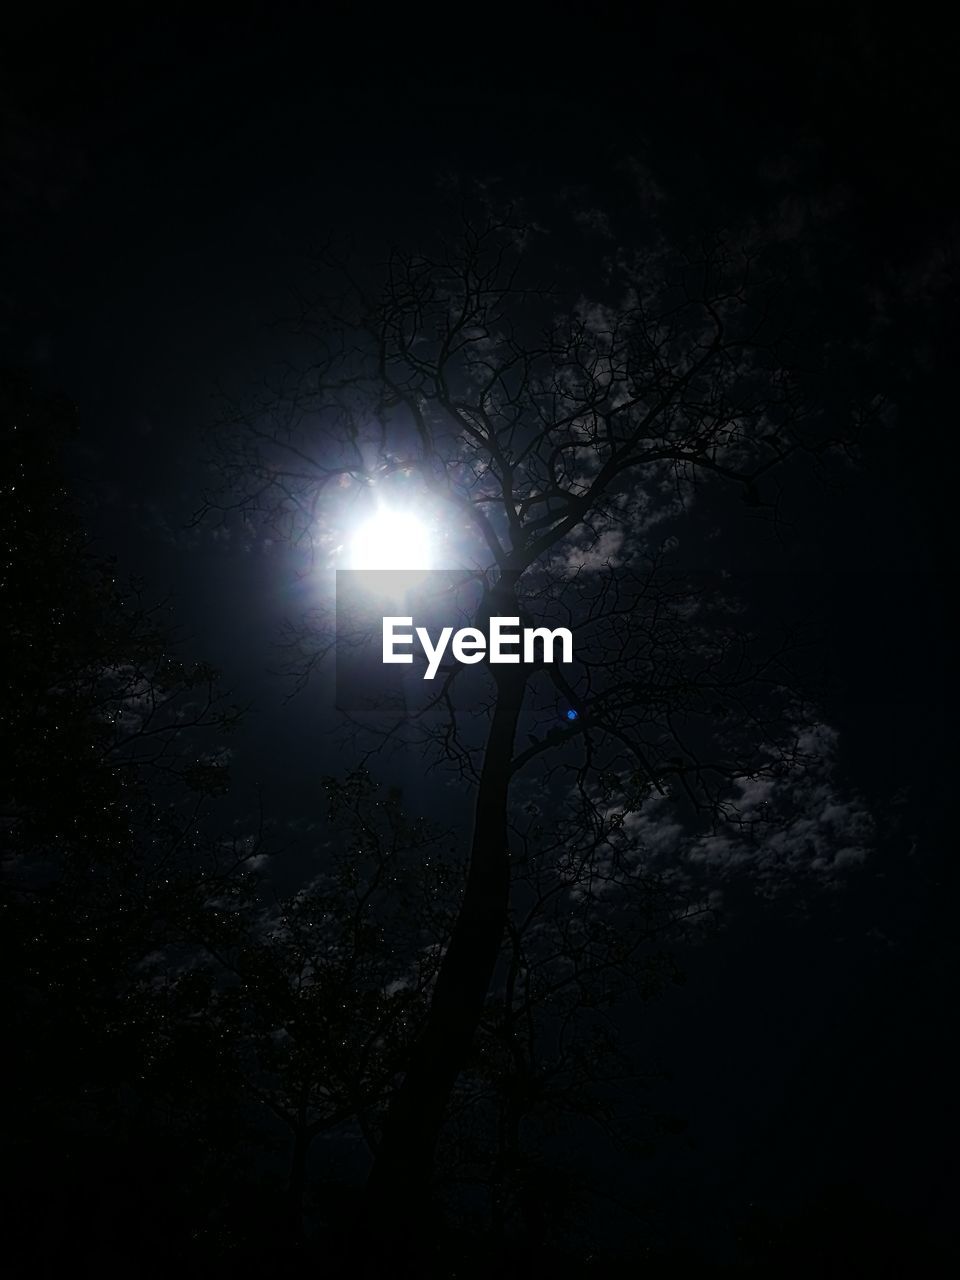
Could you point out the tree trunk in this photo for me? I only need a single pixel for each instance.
(397, 1190)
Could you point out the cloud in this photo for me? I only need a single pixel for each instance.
(801, 827)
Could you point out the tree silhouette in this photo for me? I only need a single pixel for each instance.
(117, 745)
(194, 1007)
(585, 933)
(558, 434)
(317, 993)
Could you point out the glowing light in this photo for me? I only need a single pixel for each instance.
(573, 715)
(391, 540)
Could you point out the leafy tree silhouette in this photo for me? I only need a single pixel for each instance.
(317, 994)
(116, 746)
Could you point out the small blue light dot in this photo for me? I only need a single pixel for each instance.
(572, 715)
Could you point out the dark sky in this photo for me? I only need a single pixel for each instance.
(163, 184)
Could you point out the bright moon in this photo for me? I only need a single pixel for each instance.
(390, 540)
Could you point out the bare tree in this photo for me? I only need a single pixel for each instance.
(560, 435)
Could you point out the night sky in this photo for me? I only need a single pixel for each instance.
(166, 181)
